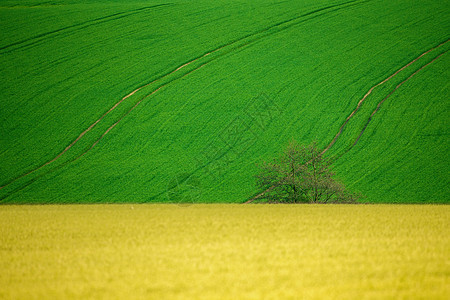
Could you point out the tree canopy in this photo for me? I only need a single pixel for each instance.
(301, 175)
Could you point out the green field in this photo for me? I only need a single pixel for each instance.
(224, 252)
(150, 101)
(120, 102)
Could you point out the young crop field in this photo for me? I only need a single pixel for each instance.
(153, 101)
(212, 251)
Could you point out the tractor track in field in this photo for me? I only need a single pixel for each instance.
(341, 129)
(389, 95)
(375, 111)
(113, 108)
(278, 27)
(40, 37)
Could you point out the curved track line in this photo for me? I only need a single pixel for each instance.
(103, 116)
(111, 109)
(137, 104)
(370, 91)
(96, 142)
(34, 39)
(262, 31)
(384, 99)
(259, 195)
(362, 100)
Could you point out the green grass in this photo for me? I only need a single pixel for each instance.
(198, 138)
(224, 252)
(404, 154)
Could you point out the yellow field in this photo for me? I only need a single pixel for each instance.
(225, 252)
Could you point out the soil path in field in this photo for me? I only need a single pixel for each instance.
(370, 91)
(105, 114)
(384, 99)
(374, 112)
(280, 26)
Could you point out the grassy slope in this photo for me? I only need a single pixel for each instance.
(66, 80)
(313, 64)
(404, 153)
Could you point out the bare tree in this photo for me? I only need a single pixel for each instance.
(301, 175)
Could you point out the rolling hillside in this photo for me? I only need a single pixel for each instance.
(152, 101)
